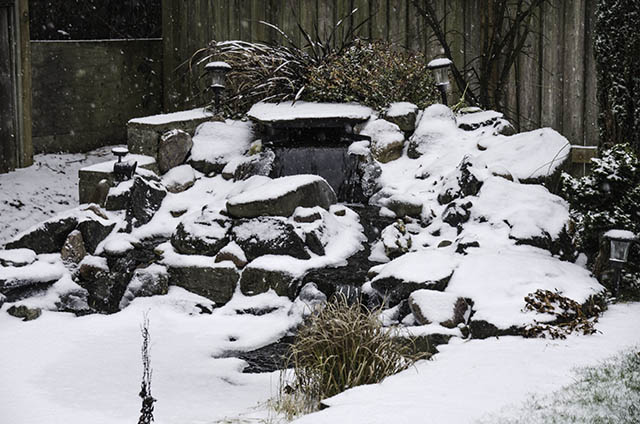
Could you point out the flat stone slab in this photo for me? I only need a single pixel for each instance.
(143, 134)
(308, 114)
(90, 176)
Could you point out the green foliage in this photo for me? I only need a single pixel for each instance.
(616, 49)
(607, 199)
(371, 73)
(339, 347)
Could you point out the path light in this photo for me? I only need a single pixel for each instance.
(218, 72)
(123, 170)
(620, 242)
(440, 69)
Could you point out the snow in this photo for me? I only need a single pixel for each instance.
(439, 63)
(383, 133)
(436, 306)
(289, 111)
(221, 141)
(498, 281)
(107, 166)
(37, 272)
(418, 267)
(17, 257)
(167, 118)
(618, 234)
(401, 109)
(274, 188)
(478, 117)
(529, 210)
(545, 151)
(30, 195)
(467, 380)
(217, 64)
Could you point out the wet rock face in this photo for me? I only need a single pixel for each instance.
(146, 199)
(217, 282)
(204, 235)
(268, 236)
(173, 148)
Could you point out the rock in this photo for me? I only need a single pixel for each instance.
(245, 167)
(307, 215)
(16, 282)
(268, 236)
(369, 171)
(106, 290)
(173, 148)
(256, 280)
(482, 118)
(232, 252)
(313, 240)
(17, 257)
(281, 196)
(466, 180)
(3, 299)
(47, 237)
(446, 309)
(396, 240)
(403, 114)
(435, 123)
(457, 213)
(310, 295)
(27, 314)
(444, 243)
(405, 205)
(99, 196)
(74, 301)
(146, 199)
(90, 267)
(215, 144)
(150, 281)
(179, 179)
(94, 231)
(466, 244)
(204, 235)
(412, 271)
(73, 250)
(216, 282)
(387, 141)
(119, 197)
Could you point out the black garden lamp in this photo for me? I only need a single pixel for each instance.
(217, 72)
(123, 170)
(440, 69)
(620, 242)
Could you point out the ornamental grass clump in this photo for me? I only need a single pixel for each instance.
(341, 346)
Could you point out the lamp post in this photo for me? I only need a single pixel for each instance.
(217, 72)
(123, 170)
(440, 69)
(620, 242)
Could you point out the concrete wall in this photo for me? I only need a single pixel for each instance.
(84, 92)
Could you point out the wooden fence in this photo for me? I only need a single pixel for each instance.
(553, 85)
(84, 92)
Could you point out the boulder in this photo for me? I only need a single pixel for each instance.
(281, 196)
(3, 299)
(15, 281)
(405, 205)
(205, 234)
(396, 240)
(387, 141)
(47, 237)
(94, 231)
(436, 122)
(179, 179)
(256, 279)
(146, 199)
(215, 144)
(119, 196)
(24, 312)
(457, 213)
(446, 309)
(150, 281)
(232, 252)
(466, 180)
(491, 120)
(268, 236)
(307, 215)
(173, 148)
(17, 257)
(403, 114)
(106, 290)
(73, 250)
(74, 301)
(245, 167)
(216, 282)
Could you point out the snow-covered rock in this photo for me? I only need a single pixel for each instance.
(179, 179)
(173, 148)
(446, 309)
(215, 144)
(403, 114)
(387, 140)
(281, 196)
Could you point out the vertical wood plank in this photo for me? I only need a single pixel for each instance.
(455, 10)
(8, 130)
(25, 85)
(379, 27)
(591, 132)
(573, 88)
(552, 64)
(360, 16)
(398, 22)
(415, 29)
(528, 72)
(259, 13)
(326, 18)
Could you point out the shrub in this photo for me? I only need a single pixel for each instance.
(340, 347)
(608, 198)
(374, 74)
